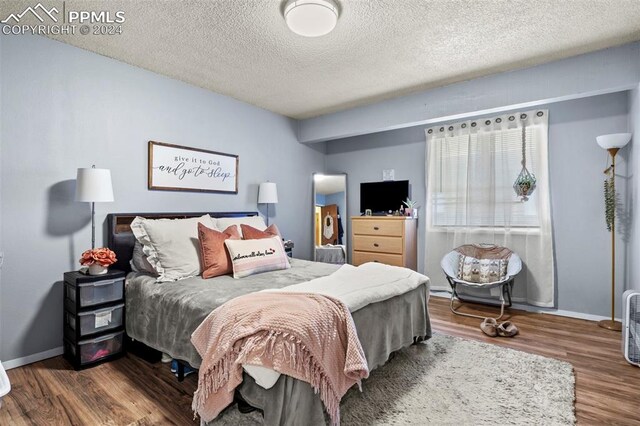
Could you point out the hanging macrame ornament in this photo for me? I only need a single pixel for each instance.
(525, 183)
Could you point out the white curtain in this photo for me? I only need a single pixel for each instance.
(471, 169)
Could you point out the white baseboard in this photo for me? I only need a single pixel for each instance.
(29, 359)
(549, 311)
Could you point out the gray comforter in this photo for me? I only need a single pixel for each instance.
(163, 316)
(330, 254)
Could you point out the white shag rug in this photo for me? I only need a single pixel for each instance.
(452, 381)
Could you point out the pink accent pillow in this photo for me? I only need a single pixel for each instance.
(214, 254)
(251, 233)
(254, 256)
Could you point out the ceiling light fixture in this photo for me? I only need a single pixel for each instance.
(311, 18)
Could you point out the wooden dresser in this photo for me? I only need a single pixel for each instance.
(385, 239)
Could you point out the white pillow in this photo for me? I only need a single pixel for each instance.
(171, 245)
(256, 221)
(254, 256)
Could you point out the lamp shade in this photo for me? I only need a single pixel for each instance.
(94, 185)
(311, 18)
(267, 193)
(614, 140)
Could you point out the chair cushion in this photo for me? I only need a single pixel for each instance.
(483, 271)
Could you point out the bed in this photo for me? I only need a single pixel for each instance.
(163, 316)
(329, 253)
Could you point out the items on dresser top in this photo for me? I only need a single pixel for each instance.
(94, 317)
(391, 240)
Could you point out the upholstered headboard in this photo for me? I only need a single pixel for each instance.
(121, 239)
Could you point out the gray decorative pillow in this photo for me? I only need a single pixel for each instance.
(482, 271)
(139, 261)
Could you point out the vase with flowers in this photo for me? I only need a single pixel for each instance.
(98, 260)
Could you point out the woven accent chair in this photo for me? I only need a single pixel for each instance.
(450, 264)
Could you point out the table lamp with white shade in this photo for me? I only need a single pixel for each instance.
(268, 194)
(94, 186)
(612, 143)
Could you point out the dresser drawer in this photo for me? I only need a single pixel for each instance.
(378, 244)
(360, 257)
(386, 227)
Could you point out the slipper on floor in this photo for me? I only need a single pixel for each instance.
(489, 327)
(507, 329)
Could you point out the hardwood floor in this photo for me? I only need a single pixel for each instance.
(130, 391)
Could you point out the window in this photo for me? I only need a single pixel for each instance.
(471, 168)
(472, 173)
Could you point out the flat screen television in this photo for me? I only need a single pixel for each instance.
(380, 197)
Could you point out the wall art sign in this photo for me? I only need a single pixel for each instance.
(181, 168)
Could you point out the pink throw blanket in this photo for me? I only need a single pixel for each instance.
(304, 335)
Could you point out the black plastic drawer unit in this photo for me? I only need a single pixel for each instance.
(94, 317)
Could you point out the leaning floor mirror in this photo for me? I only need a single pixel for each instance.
(330, 218)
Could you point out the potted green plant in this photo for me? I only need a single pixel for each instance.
(524, 185)
(412, 208)
(609, 202)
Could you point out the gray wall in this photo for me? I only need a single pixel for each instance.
(633, 194)
(576, 165)
(604, 71)
(64, 108)
(364, 157)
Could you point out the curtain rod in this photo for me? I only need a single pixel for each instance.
(498, 120)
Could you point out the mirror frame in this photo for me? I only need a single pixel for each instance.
(345, 215)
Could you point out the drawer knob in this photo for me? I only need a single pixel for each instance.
(375, 228)
(375, 261)
(376, 245)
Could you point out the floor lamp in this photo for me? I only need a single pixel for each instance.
(612, 143)
(268, 194)
(92, 186)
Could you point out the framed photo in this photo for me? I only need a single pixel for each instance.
(180, 168)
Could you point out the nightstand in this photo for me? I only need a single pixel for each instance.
(93, 317)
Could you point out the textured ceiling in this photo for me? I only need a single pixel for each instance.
(329, 184)
(379, 49)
